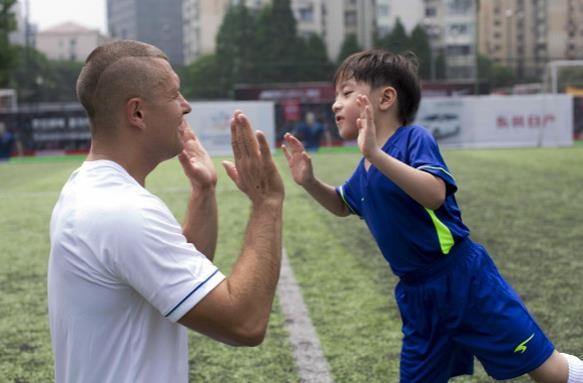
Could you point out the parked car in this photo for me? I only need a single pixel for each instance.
(441, 125)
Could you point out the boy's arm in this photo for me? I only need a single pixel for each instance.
(425, 188)
(300, 165)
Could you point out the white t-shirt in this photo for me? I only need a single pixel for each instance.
(121, 274)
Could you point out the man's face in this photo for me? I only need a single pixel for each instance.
(165, 110)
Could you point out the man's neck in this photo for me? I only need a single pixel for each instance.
(127, 160)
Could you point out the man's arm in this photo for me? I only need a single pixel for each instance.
(237, 311)
(300, 165)
(200, 225)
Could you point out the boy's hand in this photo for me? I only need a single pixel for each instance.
(196, 162)
(367, 140)
(298, 160)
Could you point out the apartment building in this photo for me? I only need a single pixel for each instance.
(330, 19)
(201, 22)
(451, 26)
(69, 41)
(526, 34)
(151, 21)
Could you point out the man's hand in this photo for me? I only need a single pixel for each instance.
(196, 162)
(299, 162)
(254, 171)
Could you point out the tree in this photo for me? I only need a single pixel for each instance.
(236, 50)
(38, 79)
(277, 43)
(349, 46)
(495, 74)
(200, 79)
(7, 25)
(397, 41)
(312, 60)
(419, 44)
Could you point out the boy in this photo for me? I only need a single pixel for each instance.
(453, 302)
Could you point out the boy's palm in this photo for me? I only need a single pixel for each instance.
(367, 141)
(298, 160)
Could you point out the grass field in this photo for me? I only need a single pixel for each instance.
(524, 205)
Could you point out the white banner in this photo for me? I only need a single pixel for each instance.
(210, 122)
(499, 121)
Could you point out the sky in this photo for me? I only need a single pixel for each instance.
(48, 13)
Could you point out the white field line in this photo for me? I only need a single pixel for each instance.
(310, 360)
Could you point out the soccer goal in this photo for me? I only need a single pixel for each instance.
(554, 70)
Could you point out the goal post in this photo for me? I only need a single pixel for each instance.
(552, 72)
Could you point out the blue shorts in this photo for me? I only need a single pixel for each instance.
(465, 311)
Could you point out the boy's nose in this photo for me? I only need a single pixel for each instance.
(335, 107)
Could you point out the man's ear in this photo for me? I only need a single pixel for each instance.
(134, 111)
(388, 97)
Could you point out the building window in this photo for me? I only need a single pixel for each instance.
(459, 6)
(430, 12)
(458, 29)
(383, 10)
(350, 18)
(306, 14)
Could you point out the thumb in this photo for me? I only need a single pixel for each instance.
(231, 170)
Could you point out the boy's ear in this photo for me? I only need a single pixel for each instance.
(388, 97)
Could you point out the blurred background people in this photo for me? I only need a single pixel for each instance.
(6, 142)
(311, 132)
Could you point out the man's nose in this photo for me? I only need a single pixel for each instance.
(186, 106)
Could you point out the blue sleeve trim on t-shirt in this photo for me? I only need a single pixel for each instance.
(192, 292)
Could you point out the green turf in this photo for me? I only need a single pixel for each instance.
(523, 205)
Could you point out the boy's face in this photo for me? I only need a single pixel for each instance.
(346, 109)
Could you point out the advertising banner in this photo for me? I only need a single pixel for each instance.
(499, 121)
(211, 122)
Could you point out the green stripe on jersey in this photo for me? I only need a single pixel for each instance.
(444, 235)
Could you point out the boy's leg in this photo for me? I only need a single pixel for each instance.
(554, 369)
(559, 368)
(428, 353)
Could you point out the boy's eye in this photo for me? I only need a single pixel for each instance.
(347, 93)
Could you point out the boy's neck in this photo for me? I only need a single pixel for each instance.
(385, 128)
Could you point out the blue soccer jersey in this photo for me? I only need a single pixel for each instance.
(411, 238)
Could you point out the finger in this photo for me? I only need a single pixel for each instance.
(235, 144)
(294, 144)
(248, 140)
(285, 152)
(186, 131)
(183, 158)
(264, 148)
(368, 112)
(231, 170)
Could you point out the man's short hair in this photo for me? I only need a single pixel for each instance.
(379, 67)
(115, 72)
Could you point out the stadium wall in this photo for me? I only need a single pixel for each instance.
(542, 120)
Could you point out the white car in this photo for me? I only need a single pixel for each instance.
(441, 125)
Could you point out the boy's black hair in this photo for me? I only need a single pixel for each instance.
(379, 67)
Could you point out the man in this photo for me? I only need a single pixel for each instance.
(123, 274)
(6, 142)
(310, 132)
